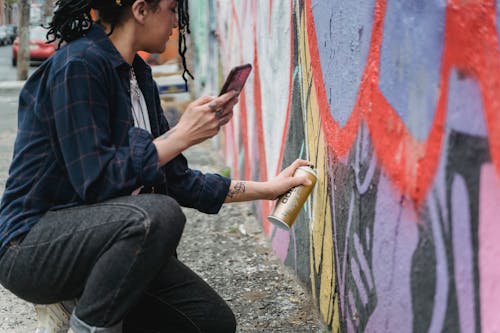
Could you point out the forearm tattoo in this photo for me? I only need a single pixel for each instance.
(238, 188)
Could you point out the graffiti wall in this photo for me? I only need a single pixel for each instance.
(397, 103)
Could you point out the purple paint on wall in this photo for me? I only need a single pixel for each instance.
(362, 260)
(359, 283)
(395, 239)
(462, 244)
(343, 29)
(411, 60)
(465, 110)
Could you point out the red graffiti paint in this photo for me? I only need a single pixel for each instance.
(471, 46)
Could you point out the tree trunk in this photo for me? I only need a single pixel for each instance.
(23, 56)
(8, 13)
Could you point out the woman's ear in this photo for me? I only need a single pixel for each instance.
(140, 10)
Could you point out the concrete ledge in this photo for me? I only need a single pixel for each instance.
(11, 87)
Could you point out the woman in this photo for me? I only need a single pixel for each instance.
(91, 207)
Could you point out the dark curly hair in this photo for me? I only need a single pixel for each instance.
(72, 20)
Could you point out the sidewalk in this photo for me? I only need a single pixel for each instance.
(10, 87)
(228, 250)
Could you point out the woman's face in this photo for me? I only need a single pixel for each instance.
(158, 26)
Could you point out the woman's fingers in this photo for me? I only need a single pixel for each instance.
(226, 118)
(292, 167)
(298, 163)
(220, 102)
(225, 113)
(215, 112)
(302, 180)
(227, 96)
(283, 184)
(203, 100)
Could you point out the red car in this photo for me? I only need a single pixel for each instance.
(39, 49)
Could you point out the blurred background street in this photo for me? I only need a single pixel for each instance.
(7, 71)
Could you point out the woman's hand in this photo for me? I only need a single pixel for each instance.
(204, 117)
(201, 120)
(285, 180)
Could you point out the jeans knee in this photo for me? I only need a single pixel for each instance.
(166, 214)
(165, 218)
(155, 220)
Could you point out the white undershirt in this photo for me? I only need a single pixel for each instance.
(139, 108)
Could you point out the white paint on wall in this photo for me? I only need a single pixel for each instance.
(274, 54)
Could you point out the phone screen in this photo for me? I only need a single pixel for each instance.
(236, 78)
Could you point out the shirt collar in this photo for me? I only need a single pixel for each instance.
(97, 34)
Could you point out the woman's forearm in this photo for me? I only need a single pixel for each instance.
(240, 190)
(169, 145)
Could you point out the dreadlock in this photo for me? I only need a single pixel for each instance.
(183, 13)
(72, 20)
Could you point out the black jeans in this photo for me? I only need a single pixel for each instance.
(118, 259)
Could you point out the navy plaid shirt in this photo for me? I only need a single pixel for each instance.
(77, 144)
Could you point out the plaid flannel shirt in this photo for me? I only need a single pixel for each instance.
(76, 142)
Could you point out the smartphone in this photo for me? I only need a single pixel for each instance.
(236, 78)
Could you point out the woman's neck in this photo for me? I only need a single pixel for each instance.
(123, 40)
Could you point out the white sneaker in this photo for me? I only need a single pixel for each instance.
(53, 318)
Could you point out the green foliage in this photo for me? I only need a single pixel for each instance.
(10, 2)
(226, 172)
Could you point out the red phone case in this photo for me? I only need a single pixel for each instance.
(236, 78)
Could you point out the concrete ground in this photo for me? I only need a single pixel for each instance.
(228, 250)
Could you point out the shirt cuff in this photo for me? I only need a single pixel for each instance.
(145, 157)
(213, 193)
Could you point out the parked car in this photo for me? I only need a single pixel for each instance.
(39, 49)
(4, 35)
(12, 32)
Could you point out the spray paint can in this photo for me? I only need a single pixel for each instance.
(289, 204)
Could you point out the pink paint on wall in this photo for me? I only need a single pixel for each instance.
(280, 242)
(489, 249)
